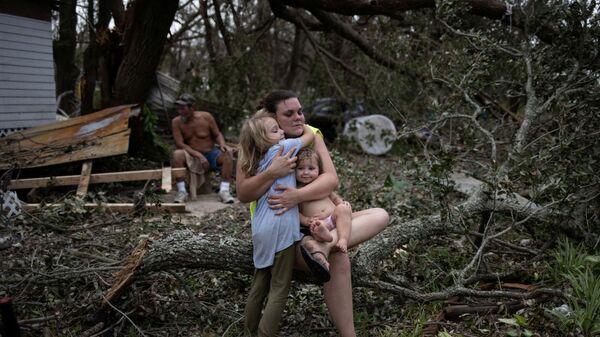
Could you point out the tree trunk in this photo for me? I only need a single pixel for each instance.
(64, 55)
(208, 34)
(302, 55)
(223, 28)
(189, 249)
(147, 26)
(98, 37)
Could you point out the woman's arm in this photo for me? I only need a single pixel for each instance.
(318, 189)
(335, 198)
(249, 188)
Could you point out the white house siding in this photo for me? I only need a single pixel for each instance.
(27, 89)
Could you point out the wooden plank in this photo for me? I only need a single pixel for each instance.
(118, 207)
(68, 132)
(96, 178)
(84, 181)
(166, 183)
(106, 146)
(101, 134)
(71, 122)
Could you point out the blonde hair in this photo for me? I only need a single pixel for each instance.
(309, 153)
(264, 113)
(254, 143)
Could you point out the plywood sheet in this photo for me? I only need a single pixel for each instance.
(101, 134)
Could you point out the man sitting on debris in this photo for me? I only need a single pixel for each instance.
(197, 137)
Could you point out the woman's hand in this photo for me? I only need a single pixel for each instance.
(282, 164)
(282, 202)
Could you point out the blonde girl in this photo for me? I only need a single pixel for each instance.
(273, 236)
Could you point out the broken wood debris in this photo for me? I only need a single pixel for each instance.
(97, 178)
(100, 134)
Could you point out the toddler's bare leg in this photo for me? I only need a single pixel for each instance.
(319, 231)
(342, 217)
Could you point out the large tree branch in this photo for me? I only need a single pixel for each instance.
(492, 9)
(189, 249)
(330, 21)
(346, 31)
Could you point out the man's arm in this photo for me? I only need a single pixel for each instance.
(216, 133)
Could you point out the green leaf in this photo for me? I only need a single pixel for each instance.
(510, 321)
(521, 321)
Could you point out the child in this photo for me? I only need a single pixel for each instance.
(273, 236)
(322, 215)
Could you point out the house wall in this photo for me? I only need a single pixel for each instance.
(27, 89)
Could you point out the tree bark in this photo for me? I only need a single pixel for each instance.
(299, 62)
(146, 30)
(223, 29)
(189, 249)
(209, 44)
(64, 54)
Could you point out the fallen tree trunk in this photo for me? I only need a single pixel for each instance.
(186, 249)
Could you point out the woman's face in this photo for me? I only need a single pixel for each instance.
(290, 117)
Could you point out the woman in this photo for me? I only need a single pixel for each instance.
(285, 107)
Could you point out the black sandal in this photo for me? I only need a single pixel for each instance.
(319, 271)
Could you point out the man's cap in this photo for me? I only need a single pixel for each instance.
(185, 99)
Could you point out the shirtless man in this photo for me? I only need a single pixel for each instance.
(196, 132)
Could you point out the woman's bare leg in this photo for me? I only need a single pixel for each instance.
(338, 294)
(366, 224)
(338, 291)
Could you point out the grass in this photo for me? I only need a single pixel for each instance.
(581, 272)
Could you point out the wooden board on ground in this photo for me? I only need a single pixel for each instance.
(119, 207)
(97, 178)
(101, 134)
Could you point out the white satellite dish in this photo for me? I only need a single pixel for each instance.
(375, 134)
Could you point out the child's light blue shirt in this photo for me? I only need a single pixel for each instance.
(273, 233)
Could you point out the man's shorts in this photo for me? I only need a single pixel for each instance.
(212, 156)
